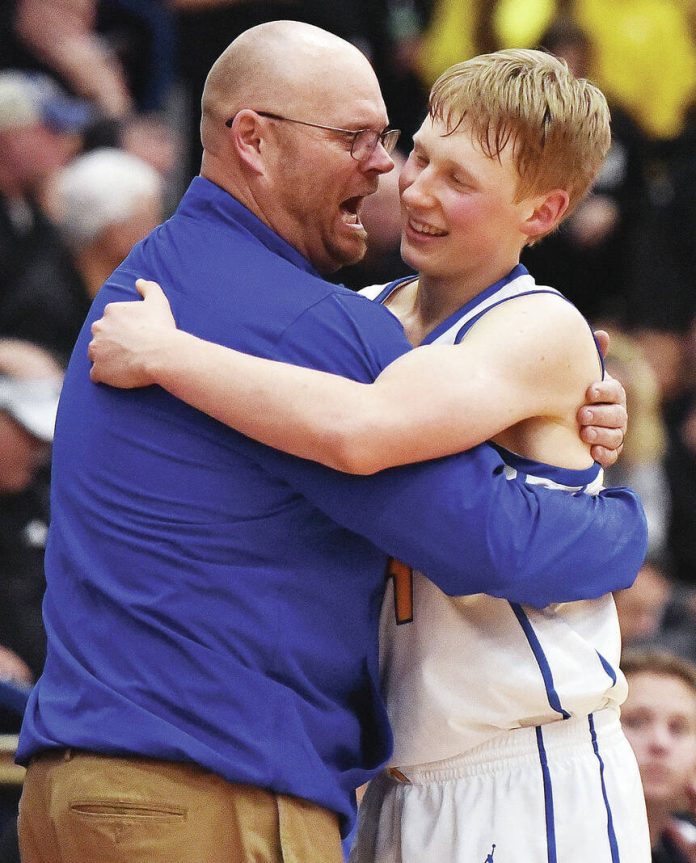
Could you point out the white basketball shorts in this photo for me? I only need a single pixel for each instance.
(566, 792)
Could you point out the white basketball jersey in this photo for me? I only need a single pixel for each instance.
(464, 669)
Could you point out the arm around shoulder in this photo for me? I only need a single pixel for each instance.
(466, 526)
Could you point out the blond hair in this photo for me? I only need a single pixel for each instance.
(558, 125)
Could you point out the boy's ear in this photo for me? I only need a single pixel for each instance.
(548, 211)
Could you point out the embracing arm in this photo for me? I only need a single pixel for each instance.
(458, 519)
(471, 530)
(419, 408)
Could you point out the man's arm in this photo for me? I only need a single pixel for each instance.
(419, 408)
(471, 530)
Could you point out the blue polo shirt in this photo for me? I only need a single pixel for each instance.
(214, 601)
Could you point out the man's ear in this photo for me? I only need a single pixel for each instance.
(247, 138)
(548, 211)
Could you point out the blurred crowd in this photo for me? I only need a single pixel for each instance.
(99, 114)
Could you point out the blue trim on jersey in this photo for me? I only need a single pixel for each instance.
(548, 799)
(613, 844)
(542, 661)
(578, 478)
(539, 290)
(390, 287)
(515, 273)
(469, 324)
(607, 666)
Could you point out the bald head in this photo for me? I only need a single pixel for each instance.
(296, 93)
(282, 66)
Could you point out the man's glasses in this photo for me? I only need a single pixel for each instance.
(363, 141)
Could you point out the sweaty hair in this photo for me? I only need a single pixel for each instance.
(558, 125)
(661, 663)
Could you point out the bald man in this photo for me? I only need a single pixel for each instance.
(210, 692)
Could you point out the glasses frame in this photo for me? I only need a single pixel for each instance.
(388, 138)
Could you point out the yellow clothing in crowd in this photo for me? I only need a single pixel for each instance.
(645, 53)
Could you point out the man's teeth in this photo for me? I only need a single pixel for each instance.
(422, 228)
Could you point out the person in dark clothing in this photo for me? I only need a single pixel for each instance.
(104, 202)
(589, 258)
(39, 133)
(29, 386)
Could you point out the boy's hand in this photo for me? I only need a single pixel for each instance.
(129, 338)
(604, 419)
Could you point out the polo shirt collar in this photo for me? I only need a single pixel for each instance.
(209, 202)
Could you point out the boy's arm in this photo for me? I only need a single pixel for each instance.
(420, 407)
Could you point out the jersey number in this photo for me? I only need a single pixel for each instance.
(403, 590)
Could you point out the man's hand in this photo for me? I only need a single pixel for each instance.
(604, 419)
(129, 337)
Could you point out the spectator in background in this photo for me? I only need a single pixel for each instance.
(681, 468)
(657, 612)
(29, 386)
(102, 203)
(659, 719)
(589, 259)
(117, 55)
(642, 464)
(30, 383)
(60, 34)
(105, 202)
(40, 130)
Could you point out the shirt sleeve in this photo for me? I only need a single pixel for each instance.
(461, 522)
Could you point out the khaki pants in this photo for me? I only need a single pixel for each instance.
(77, 807)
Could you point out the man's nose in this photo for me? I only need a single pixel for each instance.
(379, 160)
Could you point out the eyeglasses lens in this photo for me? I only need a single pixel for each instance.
(365, 142)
